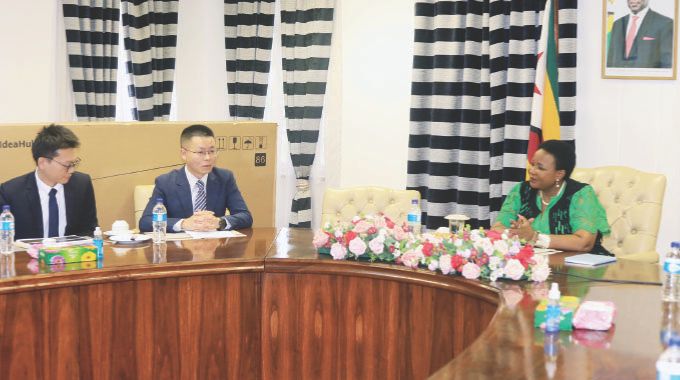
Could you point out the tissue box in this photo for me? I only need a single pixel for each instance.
(67, 255)
(595, 315)
(568, 305)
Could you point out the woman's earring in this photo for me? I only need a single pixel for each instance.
(557, 183)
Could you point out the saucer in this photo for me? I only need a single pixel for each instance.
(119, 233)
(129, 239)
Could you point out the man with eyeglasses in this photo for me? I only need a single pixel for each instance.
(198, 196)
(54, 200)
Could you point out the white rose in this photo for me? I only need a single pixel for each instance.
(540, 273)
(496, 274)
(494, 261)
(357, 246)
(338, 251)
(445, 264)
(514, 269)
(501, 246)
(377, 244)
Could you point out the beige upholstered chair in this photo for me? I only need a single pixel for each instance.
(633, 201)
(142, 195)
(343, 204)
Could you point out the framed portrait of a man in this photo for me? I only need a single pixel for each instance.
(638, 39)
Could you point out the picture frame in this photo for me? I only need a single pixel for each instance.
(649, 52)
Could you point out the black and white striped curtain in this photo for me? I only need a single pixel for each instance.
(473, 77)
(248, 35)
(92, 47)
(306, 31)
(150, 39)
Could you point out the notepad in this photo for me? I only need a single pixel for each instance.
(545, 251)
(589, 259)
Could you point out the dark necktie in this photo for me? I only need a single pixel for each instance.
(199, 205)
(54, 215)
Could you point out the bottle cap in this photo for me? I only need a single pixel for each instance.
(97, 230)
(5, 207)
(414, 201)
(675, 244)
(554, 293)
(159, 200)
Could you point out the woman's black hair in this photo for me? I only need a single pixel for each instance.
(564, 153)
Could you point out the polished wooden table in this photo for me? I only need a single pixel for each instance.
(268, 306)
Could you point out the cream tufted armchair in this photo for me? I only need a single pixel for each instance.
(141, 198)
(633, 201)
(344, 204)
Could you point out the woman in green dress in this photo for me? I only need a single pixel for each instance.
(552, 210)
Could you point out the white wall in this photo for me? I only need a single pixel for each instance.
(626, 122)
(33, 87)
(365, 126)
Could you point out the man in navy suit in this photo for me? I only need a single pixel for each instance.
(54, 200)
(198, 195)
(642, 39)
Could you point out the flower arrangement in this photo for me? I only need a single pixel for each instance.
(474, 254)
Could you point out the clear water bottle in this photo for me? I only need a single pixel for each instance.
(552, 312)
(159, 222)
(670, 311)
(413, 217)
(98, 240)
(6, 231)
(671, 274)
(668, 365)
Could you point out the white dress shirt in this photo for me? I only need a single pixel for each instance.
(641, 15)
(44, 193)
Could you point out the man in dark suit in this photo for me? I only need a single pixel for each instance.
(54, 200)
(198, 195)
(642, 39)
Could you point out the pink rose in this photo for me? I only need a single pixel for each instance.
(471, 271)
(338, 251)
(410, 259)
(380, 222)
(514, 269)
(540, 272)
(362, 226)
(320, 239)
(357, 246)
(377, 244)
(445, 264)
(399, 233)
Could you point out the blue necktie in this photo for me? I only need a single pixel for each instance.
(199, 205)
(54, 215)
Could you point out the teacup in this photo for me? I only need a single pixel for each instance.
(120, 227)
(456, 222)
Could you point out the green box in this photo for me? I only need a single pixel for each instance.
(67, 255)
(568, 305)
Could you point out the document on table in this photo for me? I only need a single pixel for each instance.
(545, 251)
(589, 259)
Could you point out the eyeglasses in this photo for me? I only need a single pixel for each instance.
(209, 153)
(72, 165)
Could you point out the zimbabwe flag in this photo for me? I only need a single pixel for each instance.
(545, 106)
